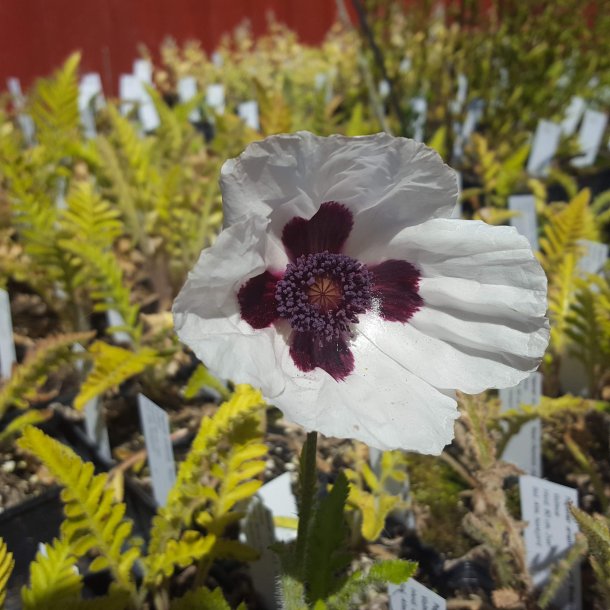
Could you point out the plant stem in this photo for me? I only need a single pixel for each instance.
(307, 492)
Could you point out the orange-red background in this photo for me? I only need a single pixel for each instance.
(36, 35)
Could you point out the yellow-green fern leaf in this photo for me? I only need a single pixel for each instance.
(49, 355)
(54, 107)
(6, 567)
(112, 366)
(54, 582)
(201, 598)
(188, 550)
(94, 521)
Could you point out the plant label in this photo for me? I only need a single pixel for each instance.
(526, 222)
(130, 92)
(590, 137)
(573, 115)
(7, 345)
(594, 257)
(259, 531)
(143, 71)
(384, 88)
(278, 498)
(155, 425)
(26, 123)
(95, 426)
(413, 596)
(549, 534)
(115, 320)
(473, 116)
(248, 111)
(524, 448)
(544, 147)
(419, 106)
(215, 98)
(148, 114)
(187, 90)
(90, 99)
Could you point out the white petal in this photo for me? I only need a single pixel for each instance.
(379, 403)
(206, 312)
(386, 182)
(483, 323)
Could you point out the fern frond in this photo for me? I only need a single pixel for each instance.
(112, 366)
(588, 326)
(54, 107)
(49, 355)
(201, 598)
(6, 567)
(89, 219)
(94, 522)
(202, 378)
(54, 582)
(565, 229)
(29, 418)
(226, 453)
(395, 571)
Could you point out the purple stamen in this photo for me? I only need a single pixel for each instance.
(323, 293)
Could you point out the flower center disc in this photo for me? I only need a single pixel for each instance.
(324, 293)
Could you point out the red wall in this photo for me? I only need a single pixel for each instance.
(37, 35)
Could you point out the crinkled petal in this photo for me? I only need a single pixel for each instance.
(386, 182)
(483, 320)
(379, 403)
(207, 314)
(308, 352)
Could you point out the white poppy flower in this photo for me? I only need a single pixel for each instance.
(341, 288)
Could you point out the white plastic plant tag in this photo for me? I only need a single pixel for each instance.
(143, 70)
(7, 345)
(524, 448)
(473, 116)
(420, 108)
(60, 196)
(590, 137)
(384, 88)
(573, 115)
(95, 426)
(90, 99)
(148, 114)
(413, 596)
(544, 147)
(549, 534)
(278, 498)
(130, 92)
(114, 319)
(248, 111)
(187, 90)
(155, 425)
(320, 80)
(594, 258)
(26, 123)
(215, 98)
(526, 222)
(96, 430)
(462, 92)
(265, 571)
(405, 65)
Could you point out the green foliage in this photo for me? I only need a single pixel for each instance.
(218, 473)
(6, 567)
(27, 378)
(326, 557)
(202, 378)
(54, 108)
(54, 581)
(596, 530)
(94, 521)
(383, 494)
(29, 418)
(202, 598)
(589, 330)
(112, 366)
